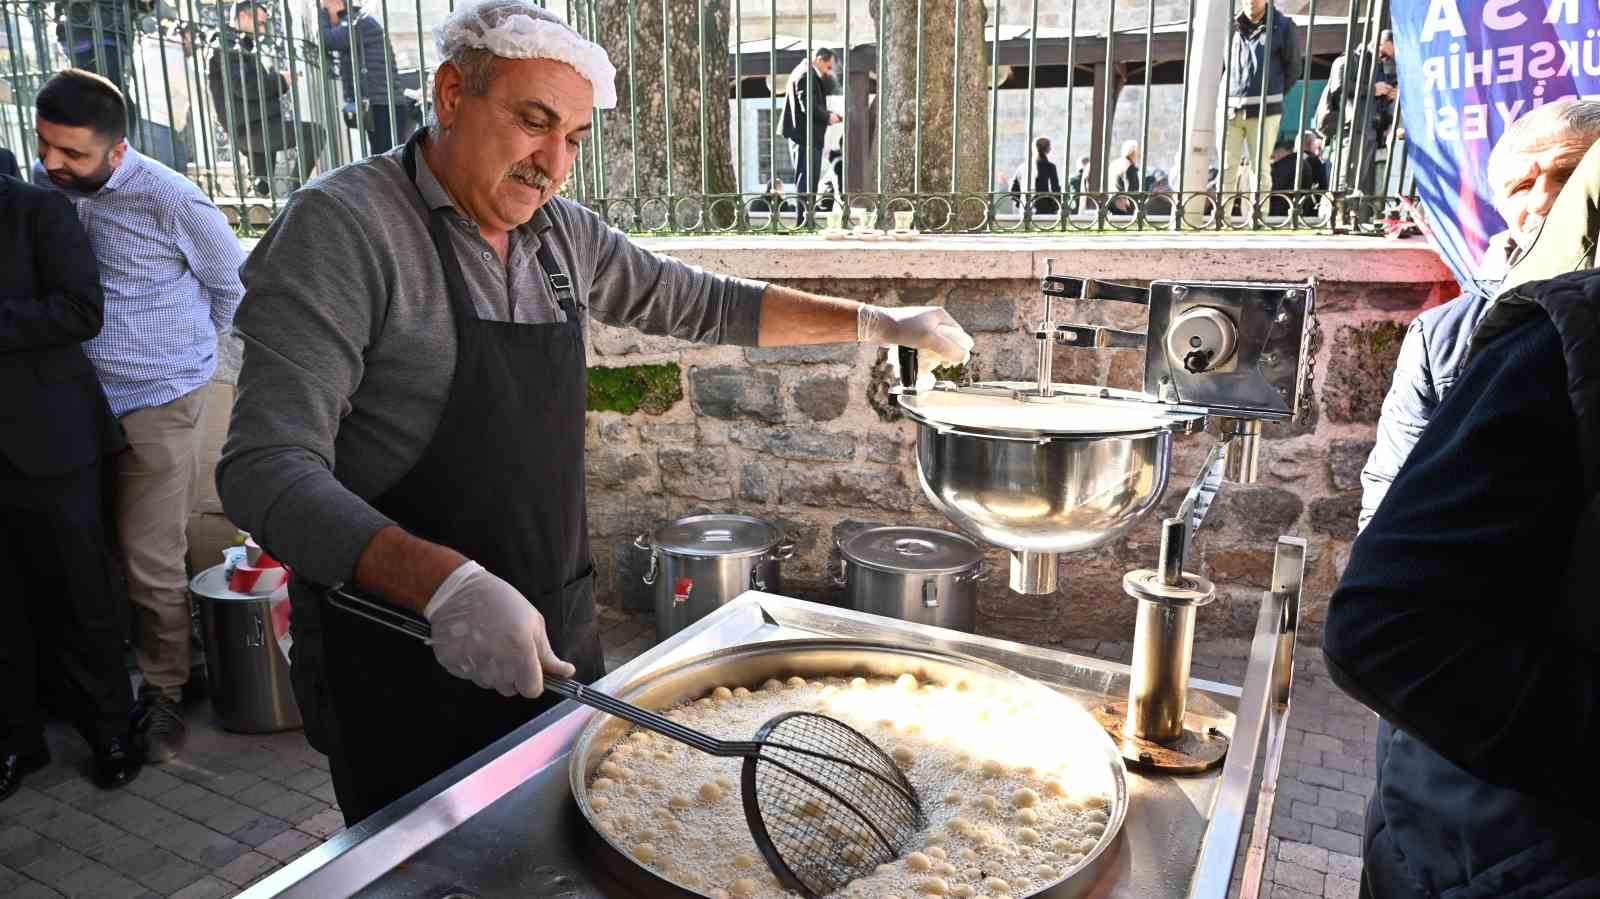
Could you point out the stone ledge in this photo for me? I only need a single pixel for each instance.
(1132, 257)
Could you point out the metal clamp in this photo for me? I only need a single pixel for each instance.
(643, 542)
(1089, 289)
(977, 572)
(1098, 338)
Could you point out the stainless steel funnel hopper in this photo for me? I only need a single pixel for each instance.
(1039, 475)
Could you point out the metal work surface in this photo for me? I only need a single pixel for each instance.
(504, 823)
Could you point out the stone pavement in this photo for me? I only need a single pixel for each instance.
(235, 807)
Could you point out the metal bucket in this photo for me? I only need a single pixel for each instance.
(915, 574)
(702, 561)
(247, 674)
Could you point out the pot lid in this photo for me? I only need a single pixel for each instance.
(999, 408)
(912, 550)
(716, 535)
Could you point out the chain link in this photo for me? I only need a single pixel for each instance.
(1308, 350)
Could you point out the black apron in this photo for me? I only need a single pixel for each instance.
(502, 483)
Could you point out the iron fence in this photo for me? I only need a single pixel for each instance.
(937, 107)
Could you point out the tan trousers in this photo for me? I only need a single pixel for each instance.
(1241, 171)
(153, 496)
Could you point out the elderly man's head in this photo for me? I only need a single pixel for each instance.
(514, 99)
(1535, 157)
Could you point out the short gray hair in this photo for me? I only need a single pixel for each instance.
(1571, 119)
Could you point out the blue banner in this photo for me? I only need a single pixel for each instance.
(1467, 69)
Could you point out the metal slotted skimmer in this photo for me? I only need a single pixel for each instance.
(824, 803)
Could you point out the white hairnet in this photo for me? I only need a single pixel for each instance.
(518, 29)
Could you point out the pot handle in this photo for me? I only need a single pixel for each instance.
(978, 571)
(784, 551)
(643, 542)
(837, 575)
(930, 594)
(757, 582)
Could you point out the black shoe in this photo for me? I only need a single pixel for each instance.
(159, 721)
(116, 763)
(13, 765)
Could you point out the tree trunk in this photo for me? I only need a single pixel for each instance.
(677, 88)
(948, 144)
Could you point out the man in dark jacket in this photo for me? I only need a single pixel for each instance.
(367, 75)
(1537, 157)
(806, 119)
(1292, 171)
(8, 164)
(1041, 177)
(1466, 616)
(1359, 121)
(249, 91)
(61, 606)
(1264, 62)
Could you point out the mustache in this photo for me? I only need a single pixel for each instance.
(530, 173)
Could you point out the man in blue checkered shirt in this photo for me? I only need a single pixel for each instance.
(169, 267)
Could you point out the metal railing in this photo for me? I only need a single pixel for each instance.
(939, 104)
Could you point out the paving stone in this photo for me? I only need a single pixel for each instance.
(152, 782)
(1315, 814)
(198, 844)
(1288, 828)
(1279, 891)
(1356, 824)
(246, 868)
(1322, 777)
(1293, 788)
(100, 882)
(261, 829)
(220, 813)
(181, 798)
(1324, 743)
(310, 778)
(1339, 800)
(1300, 878)
(52, 863)
(162, 871)
(1349, 727)
(1335, 840)
(324, 824)
(1345, 763)
(1303, 854)
(207, 887)
(10, 880)
(1341, 888)
(18, 845)
(1346, 866)
(289, 845)
(1361, 786)
(325, 793)
(292, 807)
(80, 832)
(33, 890)
(25, 804)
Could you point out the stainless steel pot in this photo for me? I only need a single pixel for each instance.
(750, 664)
(702, 561)
(915, 574)
(1042, 475)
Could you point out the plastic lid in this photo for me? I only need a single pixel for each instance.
(1116, 413)
(913, 550)
(212, 584)
(716, 535)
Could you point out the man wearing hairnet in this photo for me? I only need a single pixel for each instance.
(410, 412)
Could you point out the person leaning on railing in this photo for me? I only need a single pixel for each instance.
(1341, 105)
(366, 60)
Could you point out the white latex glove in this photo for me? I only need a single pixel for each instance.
(487, 632)
(928, 328)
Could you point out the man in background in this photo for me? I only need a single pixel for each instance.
(1264, 64)
(8, 164)
(373, 100)
(1358, 121)
(806, 119)
(1533, 161)
(169, 269)
(248, 90)
(61, 604)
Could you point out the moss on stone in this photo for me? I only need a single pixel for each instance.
(628, 389)
(1384, 338)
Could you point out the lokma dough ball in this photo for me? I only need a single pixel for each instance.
(711, 792)
(680, 801)
(796, 681)
(614, 771)
(938, 853)
(746, 888)
(772, 684)
(1024, 798)
(903, 756)
(644, 852)
(906, 682)
(933, 886)
(1028, 816)
(918, 861)
(741, 691)
(602, 783)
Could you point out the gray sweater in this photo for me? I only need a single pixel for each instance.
(349, 346)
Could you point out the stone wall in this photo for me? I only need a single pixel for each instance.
(807, 437)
